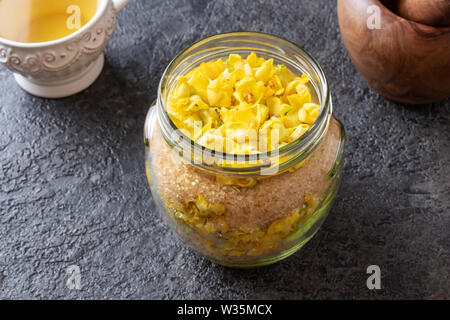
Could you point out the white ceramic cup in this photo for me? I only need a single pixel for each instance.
(63, 67)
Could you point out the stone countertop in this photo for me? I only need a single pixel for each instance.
(73, 189)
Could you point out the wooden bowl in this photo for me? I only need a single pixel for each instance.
(429, 12)
(405, 61)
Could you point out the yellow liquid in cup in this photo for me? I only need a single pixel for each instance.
(43, 20)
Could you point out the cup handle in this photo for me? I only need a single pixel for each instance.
(120, 4)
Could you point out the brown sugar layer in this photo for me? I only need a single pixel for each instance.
(270, 199)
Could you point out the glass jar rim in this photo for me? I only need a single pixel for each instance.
(295, 151)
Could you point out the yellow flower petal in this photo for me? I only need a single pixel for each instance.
(274, 105)
(298, 132)
(199, 82)
(182, 90)
(254, 61)
(291, 119)
(219, 93)
(265, 72)
(196, 103)
(213, 69)
(235, 62)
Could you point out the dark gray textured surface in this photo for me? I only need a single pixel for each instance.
(73, 188)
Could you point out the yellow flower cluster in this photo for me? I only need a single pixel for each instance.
(242, 106)
(215, 236)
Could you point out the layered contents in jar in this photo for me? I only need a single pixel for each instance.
(242, 106)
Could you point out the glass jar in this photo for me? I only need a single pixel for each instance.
(246, 210)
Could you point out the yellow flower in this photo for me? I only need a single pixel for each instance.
(248, 70)
(219, 92)
(265, 72)
(282, 227)
(212, 69)
(235, 76)
(277, 108)
(254, 61)
(272, 133)
(249, 90)
(275, 86)
(209, 118)
(297, 85)
(240, 182)
(205, 209)
(284, 75)
(298, 99)
(199, 82)
(192, 125)
(182, 90)
(309, 113)
(291, 120)
(246, 114)
(235, 62)
(196, 103)
(298, 132)
(213, 139)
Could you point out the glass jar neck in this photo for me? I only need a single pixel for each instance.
(252, 165)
